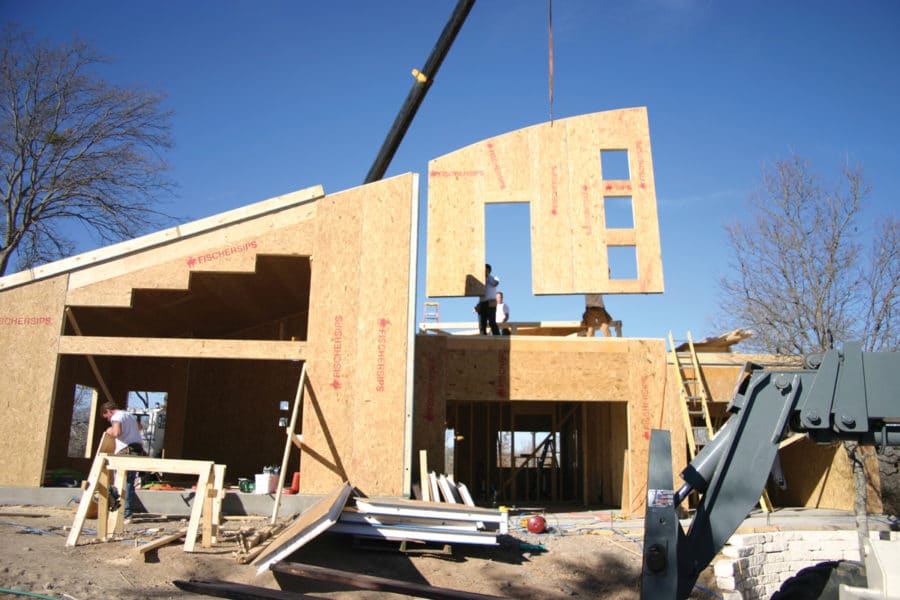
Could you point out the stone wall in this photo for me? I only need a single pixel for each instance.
(756, 564)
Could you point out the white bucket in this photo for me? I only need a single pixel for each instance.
(265, 483)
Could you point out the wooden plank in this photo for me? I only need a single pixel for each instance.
(70, 316)
(87, 496)
(162, 465)
(160, 542)
(219, 487)
(92, 422)
(199, 503)
(289, 442)
(206, 527)
(424, 481)
(166, 236)
(117, 518)
(183, 348)
(103, 502)
(316, 519)
(369, 582)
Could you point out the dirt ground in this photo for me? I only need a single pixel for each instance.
(574, 560)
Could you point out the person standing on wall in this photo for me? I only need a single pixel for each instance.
(487, 306)
(595, 315)
(126, 430)
(502, 314)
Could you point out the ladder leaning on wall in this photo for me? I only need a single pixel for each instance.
(431, 312)
(695, 400)
(694, 396)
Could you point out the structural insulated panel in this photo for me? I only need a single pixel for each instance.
(559, 169)
(630, 372)
(229, 248)
(30, 323)
(357, 411)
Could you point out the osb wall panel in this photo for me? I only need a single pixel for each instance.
(531, 368)
(355, 418)
(649, 407)
(233, 410)
(30, 322)
(820, 476)
(556, 167)
(232, 248)
(631, 372)
(430, 402)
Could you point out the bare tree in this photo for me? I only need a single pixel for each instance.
(73, 150)
(801, 276)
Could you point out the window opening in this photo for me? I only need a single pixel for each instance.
(84, 400)
(618, 212)
(149, 407)
(622, 262)
(614, 165)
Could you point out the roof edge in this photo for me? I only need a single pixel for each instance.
(164, 236)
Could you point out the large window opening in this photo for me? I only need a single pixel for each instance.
(508, 250)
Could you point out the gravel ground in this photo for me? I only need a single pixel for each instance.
(581, 559)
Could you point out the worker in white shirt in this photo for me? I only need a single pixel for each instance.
(502, 314)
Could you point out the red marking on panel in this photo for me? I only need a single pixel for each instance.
(645, 407)
(586, 207)
(478, 173)
(219, 254)
(20, 321)
(381, 350)
(554, 190)
(617, 187)
(337, 354)
(496, 165)
(642, 164)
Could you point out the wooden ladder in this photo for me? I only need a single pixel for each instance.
(431, 312)
(694, 396)
(695, 404)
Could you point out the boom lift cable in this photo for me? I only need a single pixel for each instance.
(550, 55)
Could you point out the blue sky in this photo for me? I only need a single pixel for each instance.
(272, 97)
